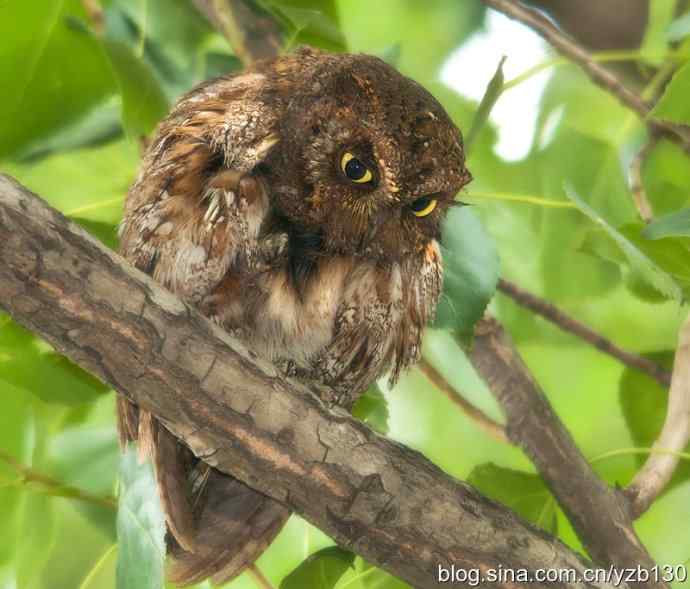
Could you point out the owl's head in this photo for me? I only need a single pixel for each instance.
(369, 162)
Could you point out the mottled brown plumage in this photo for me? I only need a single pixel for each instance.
(298, 205)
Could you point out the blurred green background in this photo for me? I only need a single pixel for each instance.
(77, 100)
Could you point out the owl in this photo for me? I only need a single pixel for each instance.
(298, 205)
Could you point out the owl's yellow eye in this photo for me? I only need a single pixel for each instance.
(423, 206)
(354, 169)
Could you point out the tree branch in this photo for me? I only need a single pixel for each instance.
(252, 36)
(598, 513)
(493, 428)
(657, 471)
(55, 487)
(596, 72)
(639, 194)
(373, 496)
(569, 324)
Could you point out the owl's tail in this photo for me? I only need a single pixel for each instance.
(217, 526)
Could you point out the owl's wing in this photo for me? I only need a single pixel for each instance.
(192, 217)
(195, 209)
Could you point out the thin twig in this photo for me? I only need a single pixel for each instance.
(599, 514)
(261, 580)
(56, 488)
(493, 428)
(657, 471)
(639, 194)
(568, 324)
(596, 72)
(252, 36)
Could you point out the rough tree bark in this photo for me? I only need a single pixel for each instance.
(378, 498)
(604, 523)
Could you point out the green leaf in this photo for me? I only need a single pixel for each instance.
(17, 426)
(57, 73)
(94, 128)
(89, 184)
(364, 575)
(679, 28)
(171, 37)
(493, 92)
(523, 492)
(638, 260)
(312, 22)
(321, 570)
(673, 225)
(143, 100)
(470, 272)
(47, 375)
(38, 533)
(86, 458)
(370, 27)
(674, 105)
(105, 232)
(655, 41)
(140, 527)
(670, 254)
(644, 401)
(372, 408)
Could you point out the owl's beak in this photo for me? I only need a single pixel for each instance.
(378, 219)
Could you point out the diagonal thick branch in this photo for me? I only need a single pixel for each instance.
(600, 515)
(373, 496)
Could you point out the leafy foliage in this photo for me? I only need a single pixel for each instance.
(470, 272)
(372, 408)
(523, 492)
(79, 103)
(321, 570)
(674, 105)
(672, 225)
(140, 527)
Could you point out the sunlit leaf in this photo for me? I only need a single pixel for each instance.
(491, 95)
(89, 184)
(470, 272)
(140, 527)
(523, 492)
(372, 408)
(57, 73)
(321, 570)
(674, 105)
(87, 458)
(143, 101)
(638, 260)
(661, 14)
(38, 532)
(47, 375)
